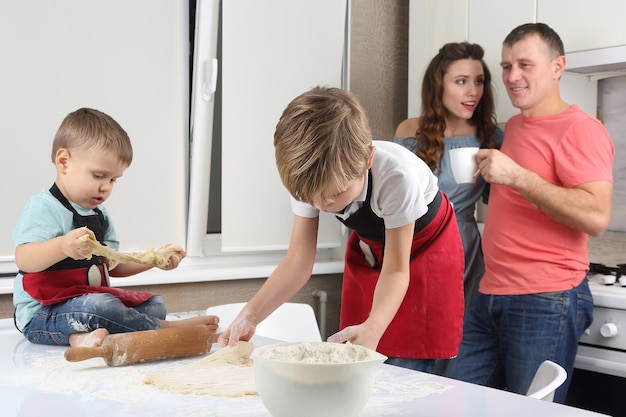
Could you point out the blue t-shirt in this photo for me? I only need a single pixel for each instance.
(44, 218)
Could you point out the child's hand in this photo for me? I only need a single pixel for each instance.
(242, 328)
(357, 335)
(174, 260)
(74, 247)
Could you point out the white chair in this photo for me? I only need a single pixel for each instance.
(291, 322)
(547, 379)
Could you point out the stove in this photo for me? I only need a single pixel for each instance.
(602, 348)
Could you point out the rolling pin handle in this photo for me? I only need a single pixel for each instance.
(77, 354)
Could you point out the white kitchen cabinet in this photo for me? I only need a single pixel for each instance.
(432, 24)
(584, 24)
(489, 22)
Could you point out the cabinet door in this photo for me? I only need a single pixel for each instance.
(584, 24)
(432, 23)
(489, 32)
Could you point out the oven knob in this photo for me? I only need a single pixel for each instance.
(608, 330)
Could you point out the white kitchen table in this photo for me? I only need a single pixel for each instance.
(35, 380)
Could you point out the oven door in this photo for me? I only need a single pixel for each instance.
(599, 379)
(598, 383)
(601, 360)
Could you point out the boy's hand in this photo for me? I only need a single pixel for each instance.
(242, 328)
(174, 260)
(357, 335)
(74, 247)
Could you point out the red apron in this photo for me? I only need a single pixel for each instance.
(53, 287)
(429, 322)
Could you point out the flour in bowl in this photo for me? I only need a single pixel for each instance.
(316, 352)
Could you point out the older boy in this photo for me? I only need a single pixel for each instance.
(403, 278)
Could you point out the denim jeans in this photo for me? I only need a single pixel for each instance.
(423, 365)
(506, 337)
(53, 325)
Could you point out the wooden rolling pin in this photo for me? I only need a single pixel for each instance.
(147, 346)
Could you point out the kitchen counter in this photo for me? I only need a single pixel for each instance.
(35, 380)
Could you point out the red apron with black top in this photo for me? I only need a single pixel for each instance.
(429, 322)
(53, 287)
(71, 278)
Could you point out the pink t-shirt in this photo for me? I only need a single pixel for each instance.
(525, 251)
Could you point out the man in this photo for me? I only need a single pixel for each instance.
(551, 187)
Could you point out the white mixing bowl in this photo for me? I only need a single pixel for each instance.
(321, 380)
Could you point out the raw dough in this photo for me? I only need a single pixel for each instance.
(226, 373)
(158, 258)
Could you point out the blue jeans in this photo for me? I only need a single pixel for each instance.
(506, 337)
(53, 325)
(422, 365)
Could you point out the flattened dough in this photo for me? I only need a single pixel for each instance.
(228, 372)
(150, 257)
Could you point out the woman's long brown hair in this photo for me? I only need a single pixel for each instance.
(432, 124)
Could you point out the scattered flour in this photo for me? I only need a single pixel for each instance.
(126, 386)
(88, 378)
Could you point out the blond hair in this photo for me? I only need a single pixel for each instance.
(322, 142)
(89, 128)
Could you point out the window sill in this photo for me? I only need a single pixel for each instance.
(201, 270)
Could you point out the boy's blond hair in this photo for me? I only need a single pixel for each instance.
(89, 128)
(322, 142)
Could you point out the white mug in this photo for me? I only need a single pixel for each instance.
(464, 166)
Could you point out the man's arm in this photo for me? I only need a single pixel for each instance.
(586, 207)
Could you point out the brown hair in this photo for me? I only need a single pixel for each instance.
(432, 123)
(89, 128)
(549, 37)
(322, 141)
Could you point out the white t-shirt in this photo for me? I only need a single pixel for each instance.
(402, 187)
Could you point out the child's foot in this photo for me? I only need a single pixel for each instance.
(91, 339)
(209, 321)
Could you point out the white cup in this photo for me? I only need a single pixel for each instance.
(464, 166)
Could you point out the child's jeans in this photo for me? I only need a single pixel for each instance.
(53, 325)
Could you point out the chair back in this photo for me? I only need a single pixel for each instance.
(547, 379)
(291, 322)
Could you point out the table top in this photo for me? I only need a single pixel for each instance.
(36, 380)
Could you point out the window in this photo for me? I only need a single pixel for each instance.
(250, 60)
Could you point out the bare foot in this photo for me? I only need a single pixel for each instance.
(91, 339)
(209, 321)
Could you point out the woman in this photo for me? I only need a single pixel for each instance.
(457, 112)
